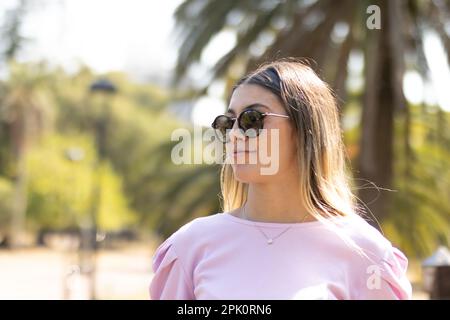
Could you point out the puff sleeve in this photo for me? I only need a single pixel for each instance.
(387, 279)
(170, 281)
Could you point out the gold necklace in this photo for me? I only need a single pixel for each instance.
(269, 239)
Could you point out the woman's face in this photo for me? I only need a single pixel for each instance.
(271, 156)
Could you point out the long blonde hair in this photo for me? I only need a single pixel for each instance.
(311, 106)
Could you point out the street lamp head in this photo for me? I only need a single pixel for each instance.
(103, 85)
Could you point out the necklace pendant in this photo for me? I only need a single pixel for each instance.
(269, 241)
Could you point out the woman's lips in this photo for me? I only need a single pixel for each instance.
(240, 154)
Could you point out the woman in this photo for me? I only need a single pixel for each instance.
(291, 234)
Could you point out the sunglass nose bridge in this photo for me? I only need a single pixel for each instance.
(236, 133)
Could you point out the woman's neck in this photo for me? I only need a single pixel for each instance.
(275, 203)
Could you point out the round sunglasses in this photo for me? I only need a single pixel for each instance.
(249, 121)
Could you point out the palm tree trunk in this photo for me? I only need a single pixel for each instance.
(376, 144)
(19, 142)
(20, 204)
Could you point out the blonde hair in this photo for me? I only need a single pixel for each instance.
(311, 106)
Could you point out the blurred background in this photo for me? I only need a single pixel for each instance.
(90, 92)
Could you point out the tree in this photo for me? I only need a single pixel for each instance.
(25, 111)
(66, 199)
(10, 32)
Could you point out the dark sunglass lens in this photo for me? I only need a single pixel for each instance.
(251, 122)
(223, 123)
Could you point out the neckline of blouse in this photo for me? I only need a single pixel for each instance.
(316, 223)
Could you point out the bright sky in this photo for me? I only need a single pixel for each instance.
(136, 36)
(129, 35)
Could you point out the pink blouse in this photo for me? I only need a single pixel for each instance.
(225, 257)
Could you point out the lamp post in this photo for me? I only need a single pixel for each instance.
(105, 89)
(74, 155)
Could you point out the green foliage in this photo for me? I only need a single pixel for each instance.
(114, 212)
(61, 192)
(58, 189)
(136, 123)
(420, 210)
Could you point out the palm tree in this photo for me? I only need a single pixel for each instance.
(179, 194)
(23, 112)
(329, 32)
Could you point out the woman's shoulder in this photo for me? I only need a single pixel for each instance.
(371, 238)
(378, 263)
(195, 232)
(175, 258)
(189, 242)
(197, 226)
(365, 235)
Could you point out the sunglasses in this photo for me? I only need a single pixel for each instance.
(249, 121)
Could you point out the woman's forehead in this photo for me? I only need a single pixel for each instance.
(248, 94)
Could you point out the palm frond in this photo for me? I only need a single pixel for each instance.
(246, 38)
(210, 20)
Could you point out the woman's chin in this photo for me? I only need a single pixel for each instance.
(246, 173)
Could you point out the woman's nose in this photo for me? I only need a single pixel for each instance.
(236, 133)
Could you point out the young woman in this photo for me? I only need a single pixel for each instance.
(294, 233)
